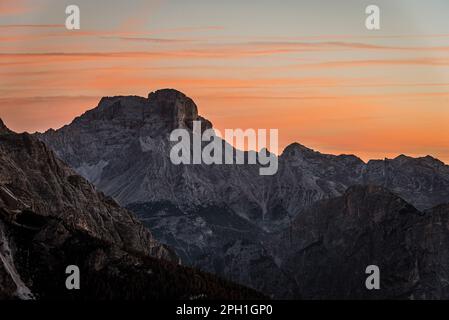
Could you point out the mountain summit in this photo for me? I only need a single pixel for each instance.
(163, 110)
(220, 216)
(122, 144)
(3, 128)
(174, 106)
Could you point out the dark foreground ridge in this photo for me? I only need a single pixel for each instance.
(51, 218)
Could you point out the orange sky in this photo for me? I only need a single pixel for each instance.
(373, 95)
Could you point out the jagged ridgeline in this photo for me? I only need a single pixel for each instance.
(50, 217)
(298, 233)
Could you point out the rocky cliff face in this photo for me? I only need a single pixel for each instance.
(328, 247)
(123, 147)
(50, 218)
(219, 217)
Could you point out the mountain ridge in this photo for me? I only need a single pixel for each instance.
(153, 118)
(219, 216)
(51, 218)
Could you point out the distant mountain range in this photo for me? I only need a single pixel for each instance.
(290, 235)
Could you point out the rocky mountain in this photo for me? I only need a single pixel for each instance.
(123, 147)
(221, 218)
(329, 246)
(51, 218)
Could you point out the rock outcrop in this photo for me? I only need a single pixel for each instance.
(329, 246)
(221, 218)
(51, 218)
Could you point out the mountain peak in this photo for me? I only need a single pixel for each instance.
(295, 148)
(165, 110)
(167, 94)
(173, 106)
(3, 127)
(428, 160)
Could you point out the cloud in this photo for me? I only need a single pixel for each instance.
(31, 26)
(377, 62)
(156, 40)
